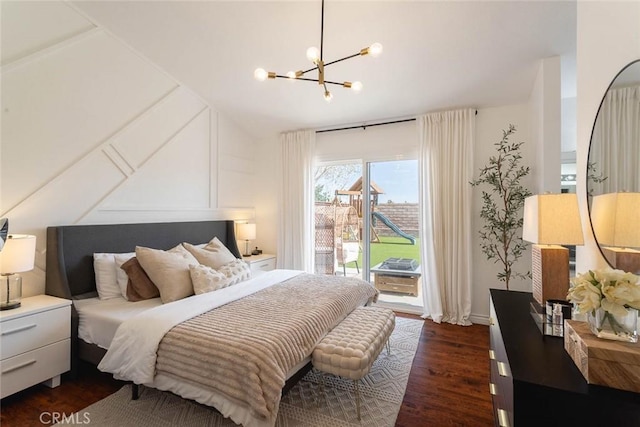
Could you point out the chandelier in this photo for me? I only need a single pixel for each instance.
(316, 56)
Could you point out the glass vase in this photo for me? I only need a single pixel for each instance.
(606, 325)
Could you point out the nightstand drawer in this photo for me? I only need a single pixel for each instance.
(27, 369)
(37, 330)
(264, 265)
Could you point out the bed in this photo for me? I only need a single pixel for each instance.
(215, 377)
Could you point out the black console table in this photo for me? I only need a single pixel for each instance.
(534, 382)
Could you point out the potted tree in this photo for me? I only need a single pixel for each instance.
(502, 205)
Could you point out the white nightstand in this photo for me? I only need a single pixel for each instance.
(35, 343)
(261, 263)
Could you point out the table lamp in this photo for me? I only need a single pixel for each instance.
(17, 255)
(246, 232)
(615, 218)
(551, 220)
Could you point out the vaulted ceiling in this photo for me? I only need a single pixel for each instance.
(437, 54)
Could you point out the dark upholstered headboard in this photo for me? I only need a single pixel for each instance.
(70, 249)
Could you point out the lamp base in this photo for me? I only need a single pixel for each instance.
(10, 305)
(550, 272)
(246, 250)
(10, 291)
(624, 259)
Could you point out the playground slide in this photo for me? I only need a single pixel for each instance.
(394, 227)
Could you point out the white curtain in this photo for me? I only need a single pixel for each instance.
(295, 233)
(446, 168)
(615, 151)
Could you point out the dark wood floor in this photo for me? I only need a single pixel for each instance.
(448, 385)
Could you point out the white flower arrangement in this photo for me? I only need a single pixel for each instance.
(611, 299)
(612, 290)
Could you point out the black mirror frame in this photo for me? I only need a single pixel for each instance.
(593, 128)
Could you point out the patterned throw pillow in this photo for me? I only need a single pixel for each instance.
(206, 279)
(236, 271)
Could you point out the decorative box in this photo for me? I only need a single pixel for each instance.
(603, 362)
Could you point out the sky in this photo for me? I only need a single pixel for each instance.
(398, 179)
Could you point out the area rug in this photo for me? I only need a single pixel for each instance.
(381, 394)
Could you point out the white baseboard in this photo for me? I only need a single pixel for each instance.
(480, 319)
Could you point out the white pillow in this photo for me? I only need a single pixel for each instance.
(121, 275)
(168, 270)
(104, 266)
(213, 255)
(236, 271)
(206, 279)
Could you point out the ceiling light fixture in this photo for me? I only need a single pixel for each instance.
(314, 55)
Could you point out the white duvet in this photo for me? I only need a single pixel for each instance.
(132, 353)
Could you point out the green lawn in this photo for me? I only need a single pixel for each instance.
(391, 247)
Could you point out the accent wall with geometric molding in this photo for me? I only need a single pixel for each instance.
(93, 132)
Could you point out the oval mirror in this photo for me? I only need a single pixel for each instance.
(613, 172)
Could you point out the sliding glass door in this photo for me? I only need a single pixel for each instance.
(366, 225)
(393, 244)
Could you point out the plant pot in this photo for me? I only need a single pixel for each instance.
(606, 325)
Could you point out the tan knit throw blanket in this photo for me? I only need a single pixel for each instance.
(245, 349)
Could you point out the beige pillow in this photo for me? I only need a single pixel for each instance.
(168, 270)
(236, 271)
(206, 279)
(213, 255)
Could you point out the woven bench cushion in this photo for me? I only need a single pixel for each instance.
(350, 348)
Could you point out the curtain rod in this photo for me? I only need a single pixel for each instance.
(364, 127)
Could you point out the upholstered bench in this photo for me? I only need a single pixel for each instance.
(350, 348)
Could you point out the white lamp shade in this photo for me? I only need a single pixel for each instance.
(552, 219)
(616, 219)
(245, 231)
(18, 253)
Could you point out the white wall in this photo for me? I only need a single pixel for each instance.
(608, 39)
(545, 126)
(92, 132)
(267, 188)
(237, 164)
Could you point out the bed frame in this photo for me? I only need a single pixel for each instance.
(70, 250)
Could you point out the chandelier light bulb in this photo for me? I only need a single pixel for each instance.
(375, 50)
(313, 54)
(291, 74)
(356, 86)
(327, 96)
(260, 74)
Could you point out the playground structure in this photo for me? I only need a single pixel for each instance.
(355, 195)
(338, 228)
